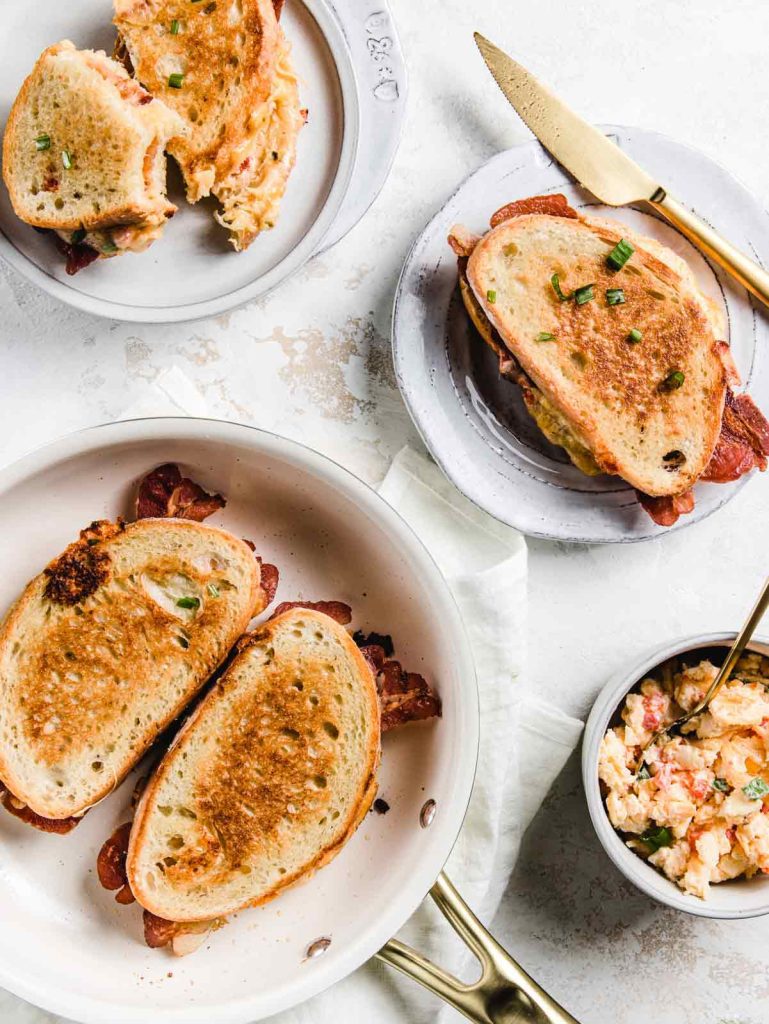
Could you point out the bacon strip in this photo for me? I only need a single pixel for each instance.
(403, 696)
(553, 206)
(165, 493)
(337, 610)
(744, 441)
(55, 826)
(158, 932)
(278, 8)
(666, 510)
(110, 864)
(77, 257)
(270, 577)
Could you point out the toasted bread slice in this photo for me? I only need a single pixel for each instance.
(267, 780)
(107, 646)
(83, 152)
(614, 396)
(236, 91)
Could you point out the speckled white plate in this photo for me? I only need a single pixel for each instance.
(64, 942)
(352, 80)
(474, 422)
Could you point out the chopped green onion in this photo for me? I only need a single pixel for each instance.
(721, 785)
(43, 142)
(175, 27)
(77, 236)
(556, 283)
(545, 336)
(614, 296)
(635, 336)
(213, 590)
(175, 80)
(657, 837)
(188, 602)
(109, 246)
(673, 381)
(756, 788)
(66, 159)
(620, 254)
(183, 642)
(643, 773)
(491, 295)
(584, 294)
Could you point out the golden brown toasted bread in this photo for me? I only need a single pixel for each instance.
(267, 780)
(106, 647)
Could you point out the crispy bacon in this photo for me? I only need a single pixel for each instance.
(554, 206)
(278, 7)
(165, 493)
(110, 864)
(158, 932)
(337, 610)
(403, 696)
(463, 241)
(77, 256)
(743, 444)
(270, 577)
(666, 510)
(55, 826)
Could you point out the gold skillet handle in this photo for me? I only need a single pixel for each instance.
(745, 270)
(504, 993)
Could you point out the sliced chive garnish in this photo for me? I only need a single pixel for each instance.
(635, 336)
(756, 789)
(188, 602)
(109, 246)
(77, 236)
(721, 785)
(545, 336)
(175, 80)
(66, 159)
(491, 295)
(614, 296)
(620, 254)
(657, 837)
(213, 590)
(673, 381)
(175, 27)
(43, 142)
(556, 284)
(584, 294)
(643, 773)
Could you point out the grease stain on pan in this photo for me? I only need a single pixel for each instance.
(427, 814)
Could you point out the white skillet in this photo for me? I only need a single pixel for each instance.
(64, 943)
(352, 80)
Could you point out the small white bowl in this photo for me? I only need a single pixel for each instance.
(740, 898)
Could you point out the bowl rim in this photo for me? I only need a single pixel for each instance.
(644, 876)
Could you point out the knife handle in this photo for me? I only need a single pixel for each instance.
(745, 270)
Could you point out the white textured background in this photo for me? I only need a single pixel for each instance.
(313, 362)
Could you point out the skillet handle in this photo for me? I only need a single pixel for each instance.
(504, 993)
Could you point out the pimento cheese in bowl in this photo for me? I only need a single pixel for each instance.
(698, 807)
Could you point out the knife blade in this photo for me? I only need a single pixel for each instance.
(595, 161)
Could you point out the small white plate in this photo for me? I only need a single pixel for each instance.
(352, 80)
(474, 422)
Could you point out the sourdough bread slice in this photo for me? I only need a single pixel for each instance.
(107, 646)
(267, 780)
(613, 393)
(83, 152)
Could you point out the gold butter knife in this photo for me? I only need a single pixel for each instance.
(603, 168)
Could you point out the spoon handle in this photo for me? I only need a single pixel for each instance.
(739, 645)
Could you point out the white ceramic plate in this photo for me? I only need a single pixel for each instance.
(738, 899)
(475, 424)
(352, 80)
(64, 942)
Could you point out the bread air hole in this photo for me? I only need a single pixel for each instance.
(331, 730)
(673, 460)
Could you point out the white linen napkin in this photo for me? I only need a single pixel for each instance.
(524, 742)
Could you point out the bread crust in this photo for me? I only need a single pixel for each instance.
(70, 603)
(688, 340)
(365, 789)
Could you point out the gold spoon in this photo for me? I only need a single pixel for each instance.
(741, 641)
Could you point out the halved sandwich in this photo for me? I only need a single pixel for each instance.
(619, 356)
(83, 155)
(225, 69)
(268, 778)
(105, 648)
